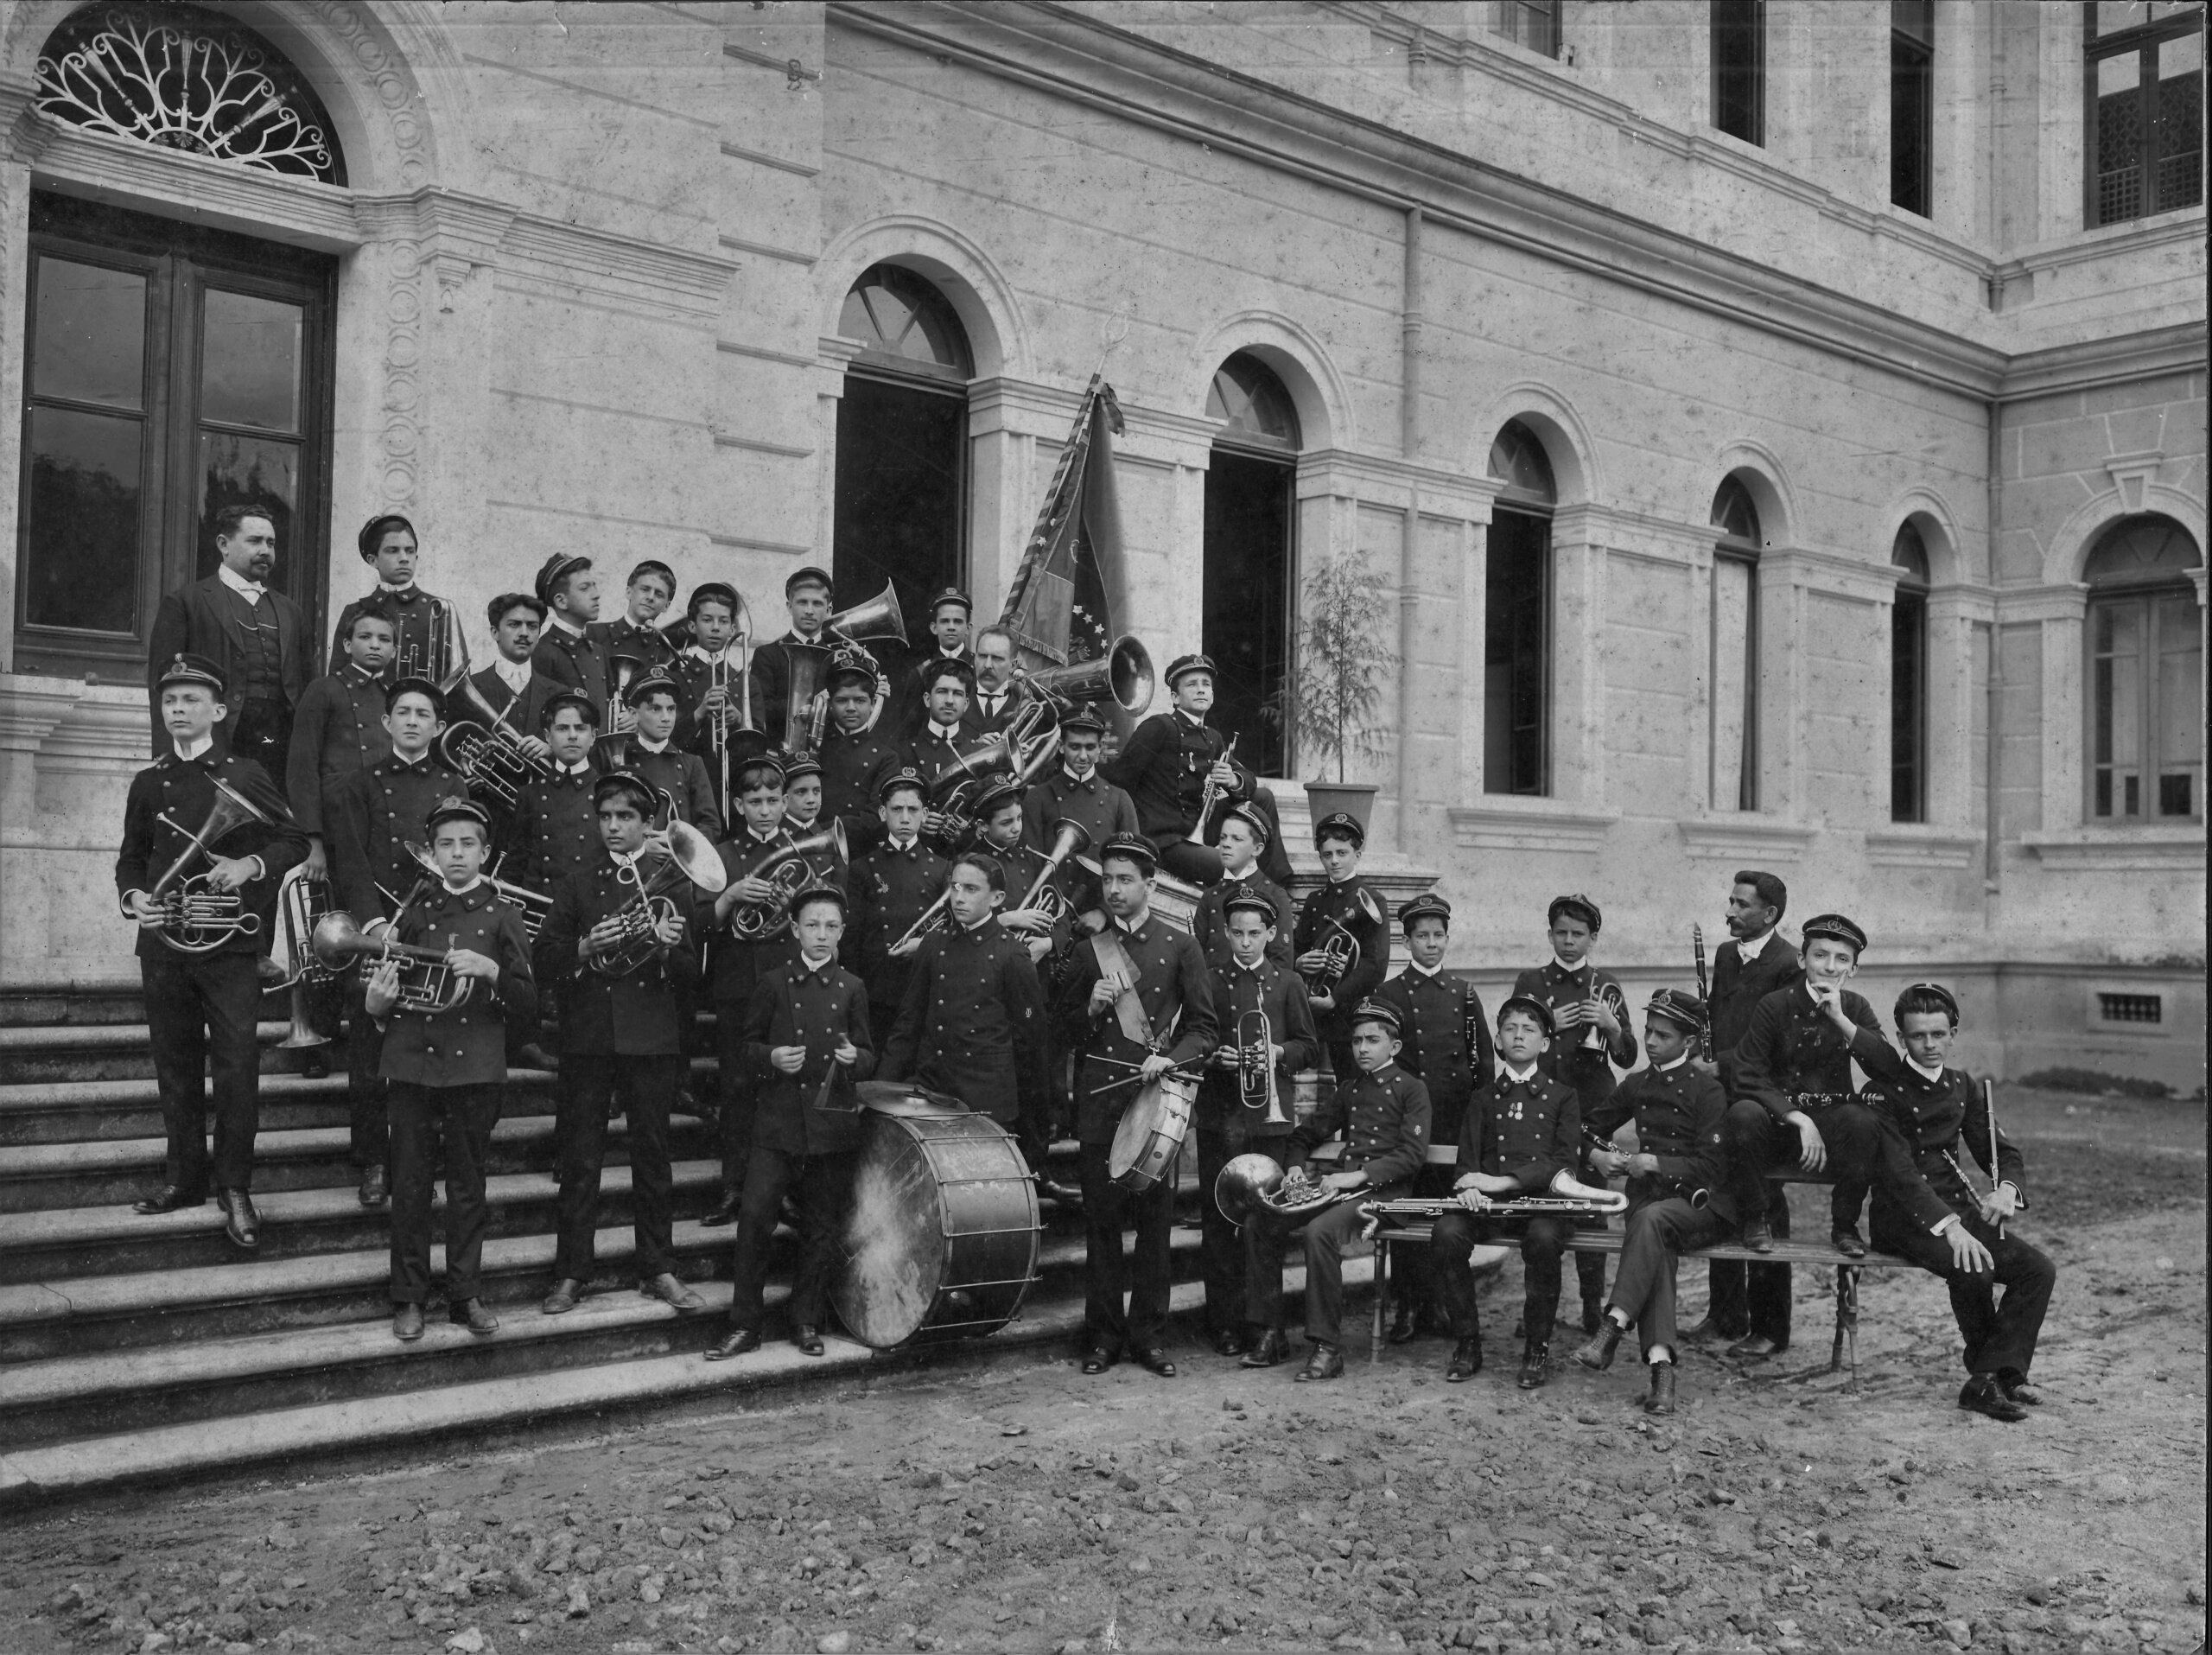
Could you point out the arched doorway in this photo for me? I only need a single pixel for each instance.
(2145, 657)
(1517, 611)
(1250, 548)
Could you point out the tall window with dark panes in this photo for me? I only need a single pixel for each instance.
(1739, 48)
(1532, 23)
(1733, 675)
(1909, 678)
(2143, 90)
(2146, 659)
(172, 370)
(1517, 613)
(1912, 105)
(1246, 598)
(900, 502)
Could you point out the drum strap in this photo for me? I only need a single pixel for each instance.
(1114, 960)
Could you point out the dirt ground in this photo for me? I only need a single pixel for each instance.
(1014, 1505)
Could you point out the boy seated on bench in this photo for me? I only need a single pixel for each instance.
(1935, 1107)
(1676, 1200)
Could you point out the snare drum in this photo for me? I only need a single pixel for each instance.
(1151, 1133)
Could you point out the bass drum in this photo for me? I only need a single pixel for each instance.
(1151, 1133)
(942, 1239)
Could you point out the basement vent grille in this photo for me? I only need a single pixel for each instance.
(2132, 1008)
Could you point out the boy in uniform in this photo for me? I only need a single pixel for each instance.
(202, 1006)
(1001, 817)
(803, 817)
(806, 1031)
(1075, 792)
(1341, 904)
(1383, 1115)
(1447, 1043)
(645, 597)
(447, 1070)
(854, 758)
(950, 614)
(1518, 1134)
(620, 1045)
(648, 751)
(572, 651)
(420, 622)
(1244, 833)
(893, 886)
(338, 727)
(556, 828)
(806, 597)
(1166, 766)
(1249, 981)
(1677, 1194)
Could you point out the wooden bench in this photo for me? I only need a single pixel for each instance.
(1843, 1349)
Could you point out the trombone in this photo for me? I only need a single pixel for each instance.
(196, 918)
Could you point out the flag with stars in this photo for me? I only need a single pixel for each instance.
(1060, 605)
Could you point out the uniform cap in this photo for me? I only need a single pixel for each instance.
(1132, 847)
(854, 663)
(766, 764)
(951, 595)
(622, 785)
(1377, 1011)
(650, 682)
(1246, 902)
(1183, 664)
(554, 571)
(995, 798)
(1083, 719)
(652, 566)
(455, 808)
(905, 776)
(418, 687)
(820, 891)
(800, 767)
(706, 591)
(1248, 814)
(807, 575)
(1427, 906)
(1340, 824)
(373, 531)
(1529, 1004)
(577, 698)
(1836, 928)
(192, 669)
(1576, 906)
(1933, 990)
(1679, 1007)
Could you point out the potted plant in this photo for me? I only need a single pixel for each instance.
(1338, 682)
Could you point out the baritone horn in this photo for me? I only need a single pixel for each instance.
(302, 903)
(691, 857)
(1256, 1068)
(196, 918)
(878, 618)
(1044, 897)
(786, 866)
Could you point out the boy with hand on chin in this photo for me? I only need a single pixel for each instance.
(447, 1070)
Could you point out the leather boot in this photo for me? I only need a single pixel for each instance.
(472, 1314)
(240, 1222)
(375, 1188)
(1326, 1362)
(1271, 1347)
(1403, 1324)
(1661, 1399)
(1466, 1360)
(724, 1211)
(1598, 1352)
(1983, 1394)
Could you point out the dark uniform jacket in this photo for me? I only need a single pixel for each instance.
(648, 645)
(1445, 1038)
(694, 678)
(1740, 984)
(207, 618)
(1163, 769)
(466, 1046)
(537, 690)
(577, 661)
(1384, 1119)
(1570, 1058)
(1935, 1116)
(851, 769)
(1793, 1058)
(556, 830)
(1210, 924)
(740, 964)
(1340, 902)
(1528, 1130)
(611, 1016)
(418, 624)
(370, 817)
(184, 790)
(683, 776)
(890, 889)
(1176, 991)
(337, 728)
(1679, 1114)
(1023, 866)
(973, 1022)
(793, 1006)
(771, 677)
(930, 750)
(1100, 808)
(1277, 992)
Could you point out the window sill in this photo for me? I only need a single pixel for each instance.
(1524, 822)
(1747, 838)
(2177, 848)
(1921, 845)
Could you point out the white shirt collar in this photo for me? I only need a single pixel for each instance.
(249, 590)
(1196, 721)
(1425, 971)
(463, 890)
(817, 968)
(1251, 872)
(629, 860)
(698, 652)
(414, 763)
(193, 750)
(386, 586)
(1752, 948)
(1130, 927)
(514, 674)
(942, 732)
(581, 768)
(565, 624)
(650, 747)
(978, 925)
(1928, 1074)
(1519, 1077)
(897, 843)
(1668, 1068)
(1583, 965)
(1253, 969)
(1084, 779)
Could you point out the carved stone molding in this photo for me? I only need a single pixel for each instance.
(1749, 839)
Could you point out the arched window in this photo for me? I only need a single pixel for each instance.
(1909, 678)
(1735, 663)
(2146, 674)
(1250, 542)
(901, 508)
(1518, 609)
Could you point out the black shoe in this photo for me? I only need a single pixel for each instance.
(314, 1066)
(1098, 1358)
(568, 1293)
(1661, 1399)
(1758, 1236)
(724, 1211)
(240, 1222)
(1593, 1315)
(1230, 1342)
(1466, 1360)
(672, 1293)
(1067, 1195)
(1755, 1347)
(1326, 1362)
(171, 1197)
(406, 1322)
(1983, 1394)
(1845, 1239)
(1402, 1328)
(375, 1191)
(1535, 1365)
(684, 1103)
(738, 1343)
(530, 1055)
(472, 1314)
(1271, 1347)
(1710, 1329)
(1598, 1352)
(1153, 1359)
(808, 1339)
(2014, 1384)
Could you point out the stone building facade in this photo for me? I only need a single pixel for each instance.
(1779, 428)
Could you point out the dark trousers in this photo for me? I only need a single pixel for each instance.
(739, 1082)
(200, 1013)
(2001, 1334)
(1221, 1246)
(1198, 864)
(1327, 1237)
(264, 735)
(1659, 1232)
(1863, 1149)
(591, 1085)
(824, 1186)
(1108, 1276)
(367, 1093)
(1542, 1241)
(1754, 1298)
(1590, 1268)
(436, 1129)
(1414, 1283)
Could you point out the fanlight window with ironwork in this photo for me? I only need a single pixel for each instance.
(180, 77)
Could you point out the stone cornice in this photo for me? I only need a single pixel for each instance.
(1747, 839)
(1830, 572)
(2062, 368)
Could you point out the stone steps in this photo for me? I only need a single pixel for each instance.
(110, 1052)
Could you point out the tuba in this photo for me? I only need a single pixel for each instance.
(878, 618)
(1123, 673)
(955, 788)
(302, 903)
(426, 982)
(807, 705)
(785, 867)
(694, 859)
(1256, 1068)
(1044, 897)
(197, 919)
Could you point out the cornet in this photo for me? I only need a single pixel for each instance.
(427, 983)
(196, 918)
(1210, 798)
(1256, 1068)
(1339, 953)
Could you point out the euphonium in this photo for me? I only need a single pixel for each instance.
(1256, 1068)
(302, 903)
(1043, 897)
(490, 754)
(197, 919)
(785, 867)
(426, 982)
(693, 859)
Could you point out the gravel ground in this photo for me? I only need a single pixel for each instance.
(1013, 1503)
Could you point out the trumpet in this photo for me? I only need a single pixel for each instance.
(786, 866)
(1256, 1068)
(1210, 798)
(1592, 1040)
(1043, 897)
(427, 983)
(534, 905)
(640, 919)
(196, 918)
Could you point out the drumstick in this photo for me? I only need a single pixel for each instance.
(1132, 1079)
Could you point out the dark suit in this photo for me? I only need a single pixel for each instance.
(555, 830)
(1750, 1298)
(972, 1024)
(853, 766)
(523, 720)
(207, 618)
(890, 888)
(771, 677)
